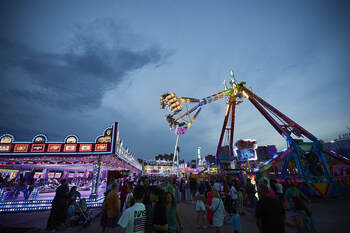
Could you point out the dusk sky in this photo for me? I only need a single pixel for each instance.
(75, 67)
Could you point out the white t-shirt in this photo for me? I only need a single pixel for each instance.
(233, 193)
(134, 218)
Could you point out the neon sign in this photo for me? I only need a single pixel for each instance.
(85, 148)
(38, 148)
(54, 148)
(101, 147)
(246, 150)
(70, 148)
(21, 148)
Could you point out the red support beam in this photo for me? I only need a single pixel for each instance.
(228, 108)
(281, 115)
(272, 121)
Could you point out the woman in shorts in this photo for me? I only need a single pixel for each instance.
(200, 209)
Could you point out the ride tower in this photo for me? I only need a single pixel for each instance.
(225, 150)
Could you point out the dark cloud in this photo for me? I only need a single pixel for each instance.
(76, 78)
(98, 57)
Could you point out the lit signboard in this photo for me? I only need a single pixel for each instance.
(85, 148)
(100, 147)
(246, 154)
(54, 148)
(70, 148)
(21, 148)
(5, 148)
(246, 150)
(38, 148)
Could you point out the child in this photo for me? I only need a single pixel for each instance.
(236, 221)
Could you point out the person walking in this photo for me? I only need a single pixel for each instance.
(172, 214)
(188, 190)
(58, 214)
(193, 187)
(129, 200)
(303, 217)
(293, 191)
(269, 213)
(200, 209)
(155, 195)
(208, 204)
(240, 201)
(182, 190)
(113, 209)
(278, 190)
(160, 223)
(219, 212)
(235, 220)
(250, 189)
(134, 218)
(123, 193)
(234, 196)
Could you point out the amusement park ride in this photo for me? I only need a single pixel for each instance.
(308, 157)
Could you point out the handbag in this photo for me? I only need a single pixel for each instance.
(217, 206)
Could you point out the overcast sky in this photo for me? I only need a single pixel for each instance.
(75, 67)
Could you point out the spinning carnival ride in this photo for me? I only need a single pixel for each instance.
(302, 160)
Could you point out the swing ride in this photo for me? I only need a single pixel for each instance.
(302, 161)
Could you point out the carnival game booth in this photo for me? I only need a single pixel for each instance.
(33, 170)
(158, 168)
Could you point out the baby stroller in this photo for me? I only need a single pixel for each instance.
(81, 214)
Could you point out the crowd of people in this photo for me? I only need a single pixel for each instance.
(142, 205)
(150, 205)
